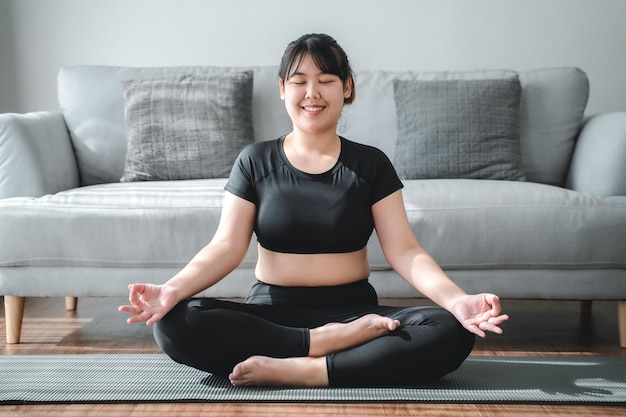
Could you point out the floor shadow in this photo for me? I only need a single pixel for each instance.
(553, 376)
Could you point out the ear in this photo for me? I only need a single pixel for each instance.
(348, 88)
(281, 88)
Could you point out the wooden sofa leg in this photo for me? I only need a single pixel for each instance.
(71, 303)
(13, 313)
(621, 320)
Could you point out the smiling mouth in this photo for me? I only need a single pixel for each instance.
(313, 109)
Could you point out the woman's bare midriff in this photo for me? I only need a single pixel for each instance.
(311, 270)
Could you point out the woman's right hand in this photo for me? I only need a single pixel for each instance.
(149, 303)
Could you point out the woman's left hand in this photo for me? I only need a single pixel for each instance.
(479, 313)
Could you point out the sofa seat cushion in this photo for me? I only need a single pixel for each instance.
(522, 225)
(163, 224)
(144, 224)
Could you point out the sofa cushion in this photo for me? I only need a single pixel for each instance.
(464, 224)
(187, 127)
(552, 108)
(504, 225)
(129, 225)
(92, 101)
(458, 129)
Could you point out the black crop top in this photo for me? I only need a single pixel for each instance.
(297, 212)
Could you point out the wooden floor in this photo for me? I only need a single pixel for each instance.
(535, 328)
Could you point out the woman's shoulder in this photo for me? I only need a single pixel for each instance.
(369, 153)
(372, 165)
(260, 148)
(259, 159)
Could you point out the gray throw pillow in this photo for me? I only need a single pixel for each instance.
(188, 127)
(458, 129)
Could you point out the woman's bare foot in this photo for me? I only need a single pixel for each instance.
(334, 337)
(311, 370)
(262, 370)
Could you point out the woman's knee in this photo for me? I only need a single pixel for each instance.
(456, 342)
(187, 334)
(444, 340)
(169, 331)
(453, 332)
(179, 328)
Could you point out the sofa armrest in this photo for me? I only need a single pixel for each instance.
(36, 155)
(599, 162)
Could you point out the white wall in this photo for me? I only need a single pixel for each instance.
(395, 34)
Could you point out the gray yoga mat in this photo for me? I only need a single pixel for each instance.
(131, 378)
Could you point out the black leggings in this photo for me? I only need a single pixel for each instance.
(215, 335)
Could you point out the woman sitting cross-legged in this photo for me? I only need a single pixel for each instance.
(313, 199)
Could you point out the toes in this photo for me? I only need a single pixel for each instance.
(387, 323)
(394, 325)
(236, 377)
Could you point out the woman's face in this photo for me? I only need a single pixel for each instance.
(313, 99)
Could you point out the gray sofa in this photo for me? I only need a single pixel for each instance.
(70, 228)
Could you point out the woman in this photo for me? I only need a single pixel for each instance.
(312, 319)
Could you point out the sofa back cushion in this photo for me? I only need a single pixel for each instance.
(551, 110)
(92, 101)
(552, 105)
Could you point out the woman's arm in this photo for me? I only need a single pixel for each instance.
(223, 254)
(478, 313)
(407, 256)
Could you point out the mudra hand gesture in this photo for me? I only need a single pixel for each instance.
(148, 303)
(480, 313)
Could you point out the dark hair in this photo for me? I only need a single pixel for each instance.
(329, 57)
